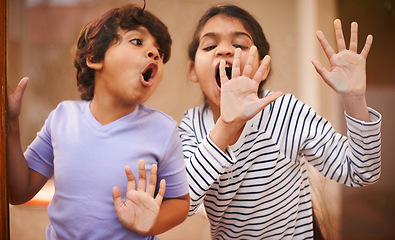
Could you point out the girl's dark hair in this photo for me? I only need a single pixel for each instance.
(248, 21)
(96, 37)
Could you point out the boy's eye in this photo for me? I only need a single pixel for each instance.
(136, 41)
(209, 48)
(161, 53)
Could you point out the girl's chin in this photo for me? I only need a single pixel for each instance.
(213, 103)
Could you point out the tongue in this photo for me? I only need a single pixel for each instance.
(147, 74)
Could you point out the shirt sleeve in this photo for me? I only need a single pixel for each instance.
(172, 169)
(204, 161)
(39, 154)
(354, 160)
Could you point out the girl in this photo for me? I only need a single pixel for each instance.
(246, 150)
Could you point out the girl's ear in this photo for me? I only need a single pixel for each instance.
(266, 72)
(192, 73)
(94, 65)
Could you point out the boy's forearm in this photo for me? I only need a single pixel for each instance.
(172, 213)
(23, 183)
(18, 170)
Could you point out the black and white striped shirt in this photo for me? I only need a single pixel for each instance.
(259, 188)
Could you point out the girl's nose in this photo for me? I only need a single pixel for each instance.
(225, 50)
(152, 53)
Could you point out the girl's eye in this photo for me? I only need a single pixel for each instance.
(209, 48)
(240, 46)
(136, 41)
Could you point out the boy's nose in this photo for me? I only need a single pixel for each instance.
(154, 54)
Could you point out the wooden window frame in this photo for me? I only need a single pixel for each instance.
(4, 204)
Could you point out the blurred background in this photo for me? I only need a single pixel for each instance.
(41, 35)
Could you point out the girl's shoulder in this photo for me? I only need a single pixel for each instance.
(285, 98)
(197, 110)
(286, 104)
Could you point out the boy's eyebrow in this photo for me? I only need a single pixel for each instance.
(213, 34)
(138, 29)
(143, 30)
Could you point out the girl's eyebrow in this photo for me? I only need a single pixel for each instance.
(237, 33)
(243, 34)
(209, 34)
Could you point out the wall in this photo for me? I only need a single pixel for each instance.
(369, 212)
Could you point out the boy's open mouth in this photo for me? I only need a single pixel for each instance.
(148, 74)
(228, 70)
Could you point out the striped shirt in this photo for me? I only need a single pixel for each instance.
(259, 188)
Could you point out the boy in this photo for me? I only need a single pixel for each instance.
(86, 144)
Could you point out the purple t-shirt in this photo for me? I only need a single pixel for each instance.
(87, 160)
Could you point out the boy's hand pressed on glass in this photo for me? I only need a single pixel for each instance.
(348, 70)
(140, 209)
(15, 100)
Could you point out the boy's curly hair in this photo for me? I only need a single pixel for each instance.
(96, 37)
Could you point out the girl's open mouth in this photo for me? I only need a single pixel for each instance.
(228, 70)
(149, 74)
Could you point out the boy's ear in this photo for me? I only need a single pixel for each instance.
(94, 65)
(192, 73)
(266, 72)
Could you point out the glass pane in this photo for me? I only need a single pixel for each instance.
(41, 36)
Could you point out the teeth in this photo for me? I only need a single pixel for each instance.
(228, 65)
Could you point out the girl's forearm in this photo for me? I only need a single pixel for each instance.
(356, 107)
(224, 135)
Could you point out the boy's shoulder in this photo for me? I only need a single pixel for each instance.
(70, 105)
(65, 109)
(156, 115)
